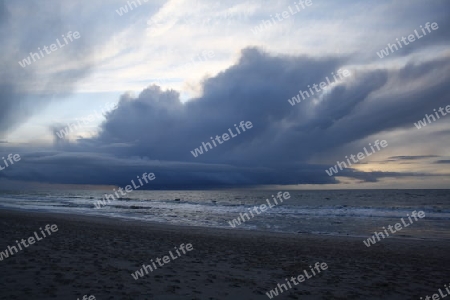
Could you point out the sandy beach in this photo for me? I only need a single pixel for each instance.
(96, 256)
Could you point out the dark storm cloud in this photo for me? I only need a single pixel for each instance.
(155, 132)
(101, 168)
(257, 89)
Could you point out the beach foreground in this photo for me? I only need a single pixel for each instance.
(96, 256)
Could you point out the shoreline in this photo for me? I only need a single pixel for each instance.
(97, 255)
(104, 218)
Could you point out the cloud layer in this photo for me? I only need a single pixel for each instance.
(155, 131)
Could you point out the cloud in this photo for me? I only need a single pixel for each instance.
(44, 166)
(257, 89)
(155, 131)
(442, 161)
(375, 176)
(410, 157)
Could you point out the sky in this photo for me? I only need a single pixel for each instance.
(125, 88)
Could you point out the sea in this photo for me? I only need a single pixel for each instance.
(327, 212)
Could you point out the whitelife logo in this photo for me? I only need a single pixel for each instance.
(165, 260)
(423, 123)
(85, 297)
(235, 222)
(71, 36)
(318, 266)
(438, 296)
(411, 38)
(146, 177)
(398, 227)
(360, 155)
(285, 14)
(31, 240)
(319, 87)
(124, 9)
(225, 137)
(10, 158)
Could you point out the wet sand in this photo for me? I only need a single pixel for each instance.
(96, 256)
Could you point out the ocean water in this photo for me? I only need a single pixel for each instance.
(341, 212)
